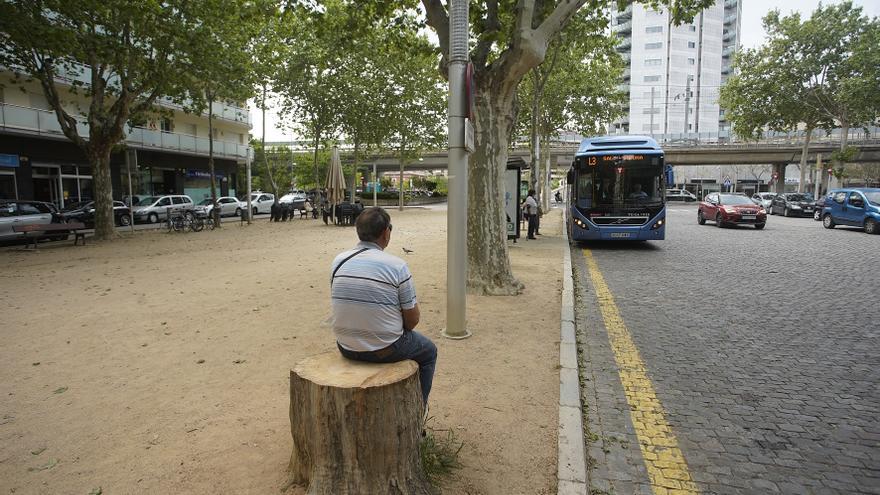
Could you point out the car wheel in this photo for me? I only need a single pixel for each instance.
(759, 226)
(871, 226)
(125, 220)
(153, 218)
(718, 222)
(700, 218)
(827, 221)
(238, 212)
(255, 210)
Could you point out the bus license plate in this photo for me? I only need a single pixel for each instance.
(748, 217)
(619, 234)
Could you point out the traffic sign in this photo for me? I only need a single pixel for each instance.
(727, 182)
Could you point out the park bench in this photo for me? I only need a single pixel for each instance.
(35, 231)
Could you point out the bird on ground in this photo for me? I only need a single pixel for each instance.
(407, 251)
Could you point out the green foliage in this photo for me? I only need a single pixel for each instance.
(819, 72)
(439, 455)
(844, 155)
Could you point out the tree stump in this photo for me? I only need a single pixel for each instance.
(356, 427)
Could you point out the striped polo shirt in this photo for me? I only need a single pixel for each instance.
(367, 295)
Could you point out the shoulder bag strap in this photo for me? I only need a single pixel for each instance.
(352, 255)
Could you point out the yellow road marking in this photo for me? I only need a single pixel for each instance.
(666, 466)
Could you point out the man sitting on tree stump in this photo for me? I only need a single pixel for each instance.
(374, 307)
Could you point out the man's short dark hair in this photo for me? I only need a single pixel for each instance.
(371, 223)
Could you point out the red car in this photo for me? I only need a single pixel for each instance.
(731, 209)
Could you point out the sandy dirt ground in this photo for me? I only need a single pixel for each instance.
(159, 363)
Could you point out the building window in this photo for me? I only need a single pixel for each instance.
(652, 78)
(653, 61)
(653, 46)
(654, 29)
(692, 28)
(691, 61)
(166, 125)
(650, 110)
(692, 44)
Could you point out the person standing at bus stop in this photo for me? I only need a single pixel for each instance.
(530, 210)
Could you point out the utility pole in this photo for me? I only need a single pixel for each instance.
(456, 217)
(129, 152)
(375, 184)
(250, 211)
(652, 111)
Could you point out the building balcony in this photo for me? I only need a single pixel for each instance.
(730, 4)
(625, 27)
(223, 111)
(729, 35)
(624, 44)
(728, 51)
(43, 123)
(730, 20)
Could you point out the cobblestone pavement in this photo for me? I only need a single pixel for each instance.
(762, 348)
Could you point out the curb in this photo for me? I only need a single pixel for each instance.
(571, 459)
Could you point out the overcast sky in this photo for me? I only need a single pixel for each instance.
(752, 35)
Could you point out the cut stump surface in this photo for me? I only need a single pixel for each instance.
(356, 426)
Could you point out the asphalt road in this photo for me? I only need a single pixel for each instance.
(751, 355)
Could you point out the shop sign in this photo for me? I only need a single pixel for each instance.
(201, 174)
(8, 160)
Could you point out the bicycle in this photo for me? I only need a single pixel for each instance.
(180, 220)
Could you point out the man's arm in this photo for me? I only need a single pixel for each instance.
(411, 317)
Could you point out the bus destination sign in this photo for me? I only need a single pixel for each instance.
(594, 160)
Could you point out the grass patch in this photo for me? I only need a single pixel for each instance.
(439, 451)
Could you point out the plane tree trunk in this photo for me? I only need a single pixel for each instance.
(489, 271)
(99, 158)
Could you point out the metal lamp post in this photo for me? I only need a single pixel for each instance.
(456, 220)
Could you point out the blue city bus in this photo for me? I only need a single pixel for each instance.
(617, 189)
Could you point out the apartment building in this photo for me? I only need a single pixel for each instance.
(674, 72)
(170, 150)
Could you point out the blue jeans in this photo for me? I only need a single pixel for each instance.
(411, 345)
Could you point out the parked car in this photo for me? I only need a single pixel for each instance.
(261, 202)
(229, 206)
(25, 212)
(84, 211)
(731, 209)
(858, 207)
(296, 200)
(793, 204)
(152, 209)
(680, 195)
(764, 199)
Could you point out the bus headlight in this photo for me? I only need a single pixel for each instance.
(579, 223)
(658, 224)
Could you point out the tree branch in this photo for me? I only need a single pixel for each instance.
(491, 27)
(559, 18)
(438, 19)
(525, 14)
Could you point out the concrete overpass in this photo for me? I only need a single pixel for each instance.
(676, 154)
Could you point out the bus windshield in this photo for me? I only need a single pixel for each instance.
(620, 181)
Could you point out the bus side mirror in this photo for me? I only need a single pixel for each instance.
(569, 177)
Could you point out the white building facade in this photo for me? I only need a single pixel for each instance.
(675, 72)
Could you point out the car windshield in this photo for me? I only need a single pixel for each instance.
(796, 197)
(732, 199)
(873, 197)
(148, 201)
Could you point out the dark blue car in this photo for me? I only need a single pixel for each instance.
(857, 207)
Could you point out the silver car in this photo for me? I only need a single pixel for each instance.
(765, 199)
(22, 212)
(229, 206)
(261, 202)
(154, 208)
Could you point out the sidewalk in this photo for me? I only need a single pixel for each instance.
(164, 361)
